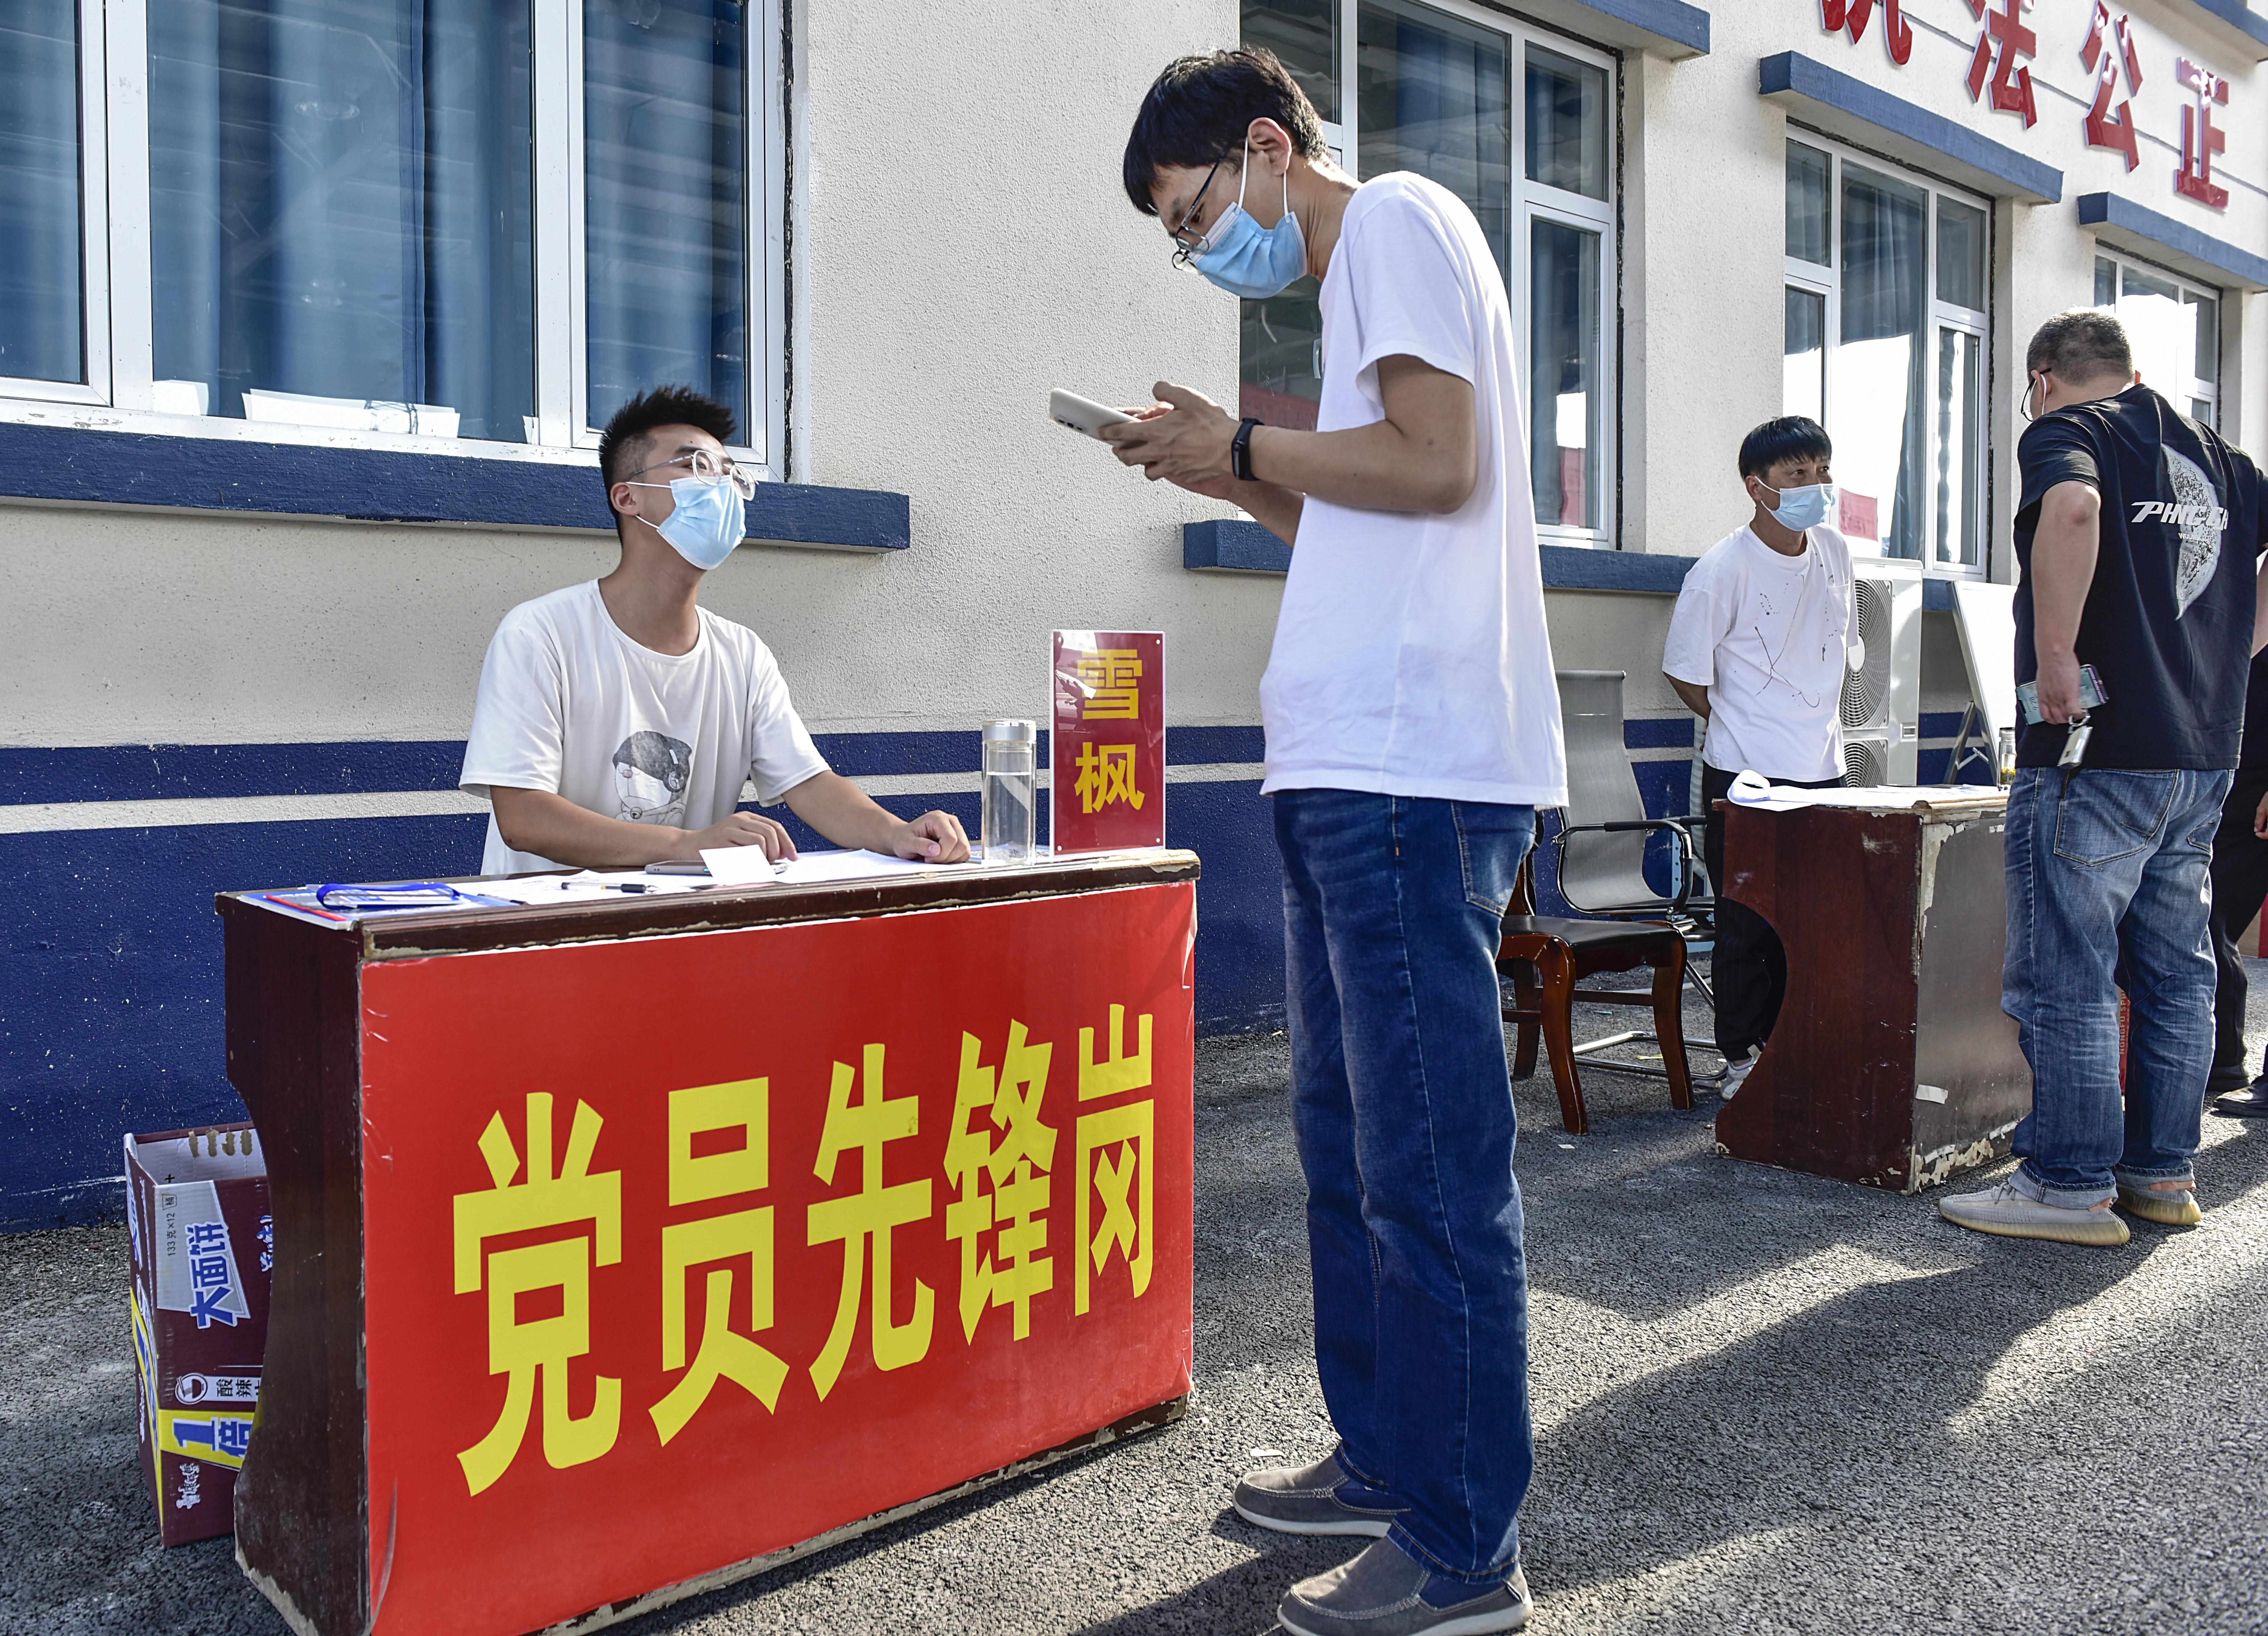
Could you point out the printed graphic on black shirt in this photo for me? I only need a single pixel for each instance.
(650, 773)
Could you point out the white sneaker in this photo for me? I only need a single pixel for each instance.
(1736, 1072)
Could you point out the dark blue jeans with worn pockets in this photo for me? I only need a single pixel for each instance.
(2108, 887)
(1402, 1106)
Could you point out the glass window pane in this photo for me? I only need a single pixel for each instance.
(1960, 256)
(1804, 371)
(2106, 282)
(1565, 401)
(1434, 98)
(1880, 428)
(42, 337)
(2208, 336)
(2162, 331)
(1960, 448)
(1566, 123)
(1283, 372)
(665, 220)
(339, 196)
(1304, 34)
(2201, 411)
(1810, 211)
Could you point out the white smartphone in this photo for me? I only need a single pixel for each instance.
(1084, 415)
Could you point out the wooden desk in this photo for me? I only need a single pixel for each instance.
(625, 1249)
(1892, 1063)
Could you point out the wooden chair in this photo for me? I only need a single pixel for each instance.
(1546, 956)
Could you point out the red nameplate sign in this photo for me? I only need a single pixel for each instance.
(1108, 739)
(686, 1250)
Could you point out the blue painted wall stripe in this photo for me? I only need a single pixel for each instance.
(1792, 74)
(2247, 268)
(1230, 546)
(1658, 732)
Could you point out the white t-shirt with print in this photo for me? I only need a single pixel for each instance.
(1410, 657)
(571, 704)
(1766, 634)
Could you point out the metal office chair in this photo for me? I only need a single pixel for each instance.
(1600, 851)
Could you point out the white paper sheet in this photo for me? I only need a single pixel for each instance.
(1751, 790)
(740, 866)
(820, 868)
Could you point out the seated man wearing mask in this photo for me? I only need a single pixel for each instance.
(1756, 650)
(617, 720)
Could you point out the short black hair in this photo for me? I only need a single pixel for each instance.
(1789, 438)
(1198, 111)
(621, 446)
(2082, 344)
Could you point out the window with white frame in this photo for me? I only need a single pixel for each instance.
(486, 220)
(1518, 123)
(2174, 326)
(1887, 320)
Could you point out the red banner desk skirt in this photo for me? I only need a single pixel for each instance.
(623, 1250)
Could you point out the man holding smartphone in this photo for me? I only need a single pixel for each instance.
(1413, 729)
(2137, 534)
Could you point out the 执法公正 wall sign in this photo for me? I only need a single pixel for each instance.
(2000, 76)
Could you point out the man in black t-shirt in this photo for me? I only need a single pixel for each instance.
(2240, 882)
(2137, 534)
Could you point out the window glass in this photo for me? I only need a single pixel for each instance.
(1804, 379)
(2106, 282)
(1960, 255)
(2163, 329)
(1810, 211)
(1432, 95)
(1304, 34)
(1960, 448)
(2208, 335)
(1282, 375)
(42, 337)
(1566, 123)
(339, 197)
(666, 221)
(1878, 426)
(1564, 373)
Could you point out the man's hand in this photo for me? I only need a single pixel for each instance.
(2058, 685)
(2260, 819)
(1185, 440)
(741, 830)
(934, 837)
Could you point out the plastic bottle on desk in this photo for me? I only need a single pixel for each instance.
(1009, 778)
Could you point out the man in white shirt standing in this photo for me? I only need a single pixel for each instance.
(1413, 729)
(1756, 650)
(618, 720)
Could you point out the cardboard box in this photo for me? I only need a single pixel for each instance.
(202, 1245)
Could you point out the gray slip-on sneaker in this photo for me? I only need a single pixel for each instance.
(1382, 1593)
(2168, 1204)
(1310, 1499)
(2251, 1102)
(2011, 1213)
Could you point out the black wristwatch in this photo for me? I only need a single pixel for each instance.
(1240, 449)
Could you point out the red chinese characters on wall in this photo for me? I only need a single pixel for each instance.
(2109, 48)
(2201, 139)
(2006, 40)
(1836, 16)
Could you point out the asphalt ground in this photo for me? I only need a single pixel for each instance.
(1763, 1402)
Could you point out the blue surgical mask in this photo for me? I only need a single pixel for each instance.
(1807, 507)
(710, 520)
(1244, 258)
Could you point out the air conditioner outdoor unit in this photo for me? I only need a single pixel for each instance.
(1881, 686)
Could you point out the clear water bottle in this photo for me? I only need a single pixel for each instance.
(2006, 755)
(1009, 778)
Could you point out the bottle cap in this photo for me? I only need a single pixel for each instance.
(1022, 732)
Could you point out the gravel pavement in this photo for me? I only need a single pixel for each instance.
(1763, 1402)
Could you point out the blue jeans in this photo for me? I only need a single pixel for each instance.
(1393, 911)
(2109, 886)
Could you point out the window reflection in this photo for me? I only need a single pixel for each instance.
(41, 335)
(1810, 208)
(1564, 402)
(1282, 375)
(1960, 255)
(1304, 34)
(340, 197)
(1566, 123)
(666, 218)
(1803, 386)
(1960, 448)
(1879, 427)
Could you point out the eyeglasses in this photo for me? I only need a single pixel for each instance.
(1185, 246)
(703, 467)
